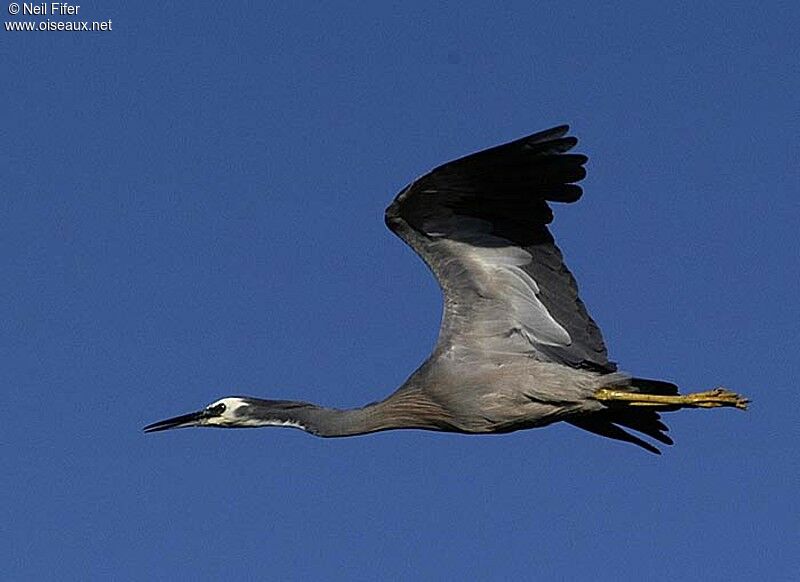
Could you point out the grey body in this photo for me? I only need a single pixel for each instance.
(455, 392)
(517, 348)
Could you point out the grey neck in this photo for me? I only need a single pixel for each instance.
(403, 409)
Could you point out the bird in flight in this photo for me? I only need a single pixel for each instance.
(516, 348)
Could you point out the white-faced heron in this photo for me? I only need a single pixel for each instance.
(517, 348)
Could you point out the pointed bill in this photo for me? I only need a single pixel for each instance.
(183, 421)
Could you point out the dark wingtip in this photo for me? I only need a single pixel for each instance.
(552, 133)
(567, 193)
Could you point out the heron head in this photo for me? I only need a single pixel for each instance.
(225, 412)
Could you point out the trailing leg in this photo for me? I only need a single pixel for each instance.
(708, 399)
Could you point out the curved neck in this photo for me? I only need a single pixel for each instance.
(406, 408)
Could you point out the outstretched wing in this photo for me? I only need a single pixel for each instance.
(480, 223)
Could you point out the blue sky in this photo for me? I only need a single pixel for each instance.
(192, 207)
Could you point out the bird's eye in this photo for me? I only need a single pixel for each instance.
(218, 409)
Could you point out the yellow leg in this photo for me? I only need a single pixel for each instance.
(708, 399)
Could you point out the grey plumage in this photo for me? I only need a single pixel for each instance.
(517, 348)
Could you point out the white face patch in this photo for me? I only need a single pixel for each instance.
(230, 418)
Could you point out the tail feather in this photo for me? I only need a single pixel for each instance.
(612, 421)
(647, 386)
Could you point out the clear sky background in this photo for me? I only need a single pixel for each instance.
(192, 207)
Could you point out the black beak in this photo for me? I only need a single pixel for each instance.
(184, 421)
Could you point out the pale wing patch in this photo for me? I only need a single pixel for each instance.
(494, 267)
(497, 272)
(448, 224)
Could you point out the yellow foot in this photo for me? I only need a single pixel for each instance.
(708, 399)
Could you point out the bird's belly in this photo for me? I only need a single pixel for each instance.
(493, 412)
(489, 395)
